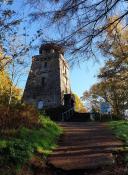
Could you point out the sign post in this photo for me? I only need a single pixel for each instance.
(105, 108)
(40, 104)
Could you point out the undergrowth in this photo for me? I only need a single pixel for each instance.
(17, 146)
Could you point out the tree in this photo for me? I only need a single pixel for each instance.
(115, 47)
(115, 71)
(4, 60)
(13, 28)
(80, 22)
(5, 84)
(103, 92)
(8, 26)
(95, 96)
(13, 67)
(113, 85)
(79, 106)
(14, 47)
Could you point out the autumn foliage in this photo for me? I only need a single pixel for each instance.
(18, 117)
(7, 89)
(113, 77)
(79, 106)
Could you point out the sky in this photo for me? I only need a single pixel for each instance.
(82, 76)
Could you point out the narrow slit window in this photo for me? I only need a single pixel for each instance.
(43, 81)
(45, 65)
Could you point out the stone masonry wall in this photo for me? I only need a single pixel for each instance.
(48, 80)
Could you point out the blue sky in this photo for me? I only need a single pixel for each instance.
(82, 76)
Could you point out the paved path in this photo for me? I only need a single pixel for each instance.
(84, 146)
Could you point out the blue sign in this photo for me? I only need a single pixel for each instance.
(105, 107)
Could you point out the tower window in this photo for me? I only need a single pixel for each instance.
(45, 65)
(47, 50)
(43, 81)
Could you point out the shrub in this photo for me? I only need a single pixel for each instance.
(14, 117)
(16, 151)
(23, 143)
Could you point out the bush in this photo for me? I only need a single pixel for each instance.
(25, 142)
(16, 151)
(14, 117)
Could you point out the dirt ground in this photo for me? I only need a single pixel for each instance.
(87, 149)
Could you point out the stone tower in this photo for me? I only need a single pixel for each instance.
(48, 78)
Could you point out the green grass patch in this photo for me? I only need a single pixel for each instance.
(120, 129)
(18, 148)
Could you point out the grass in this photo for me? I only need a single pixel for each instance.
(120, 129)
(24, 143)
